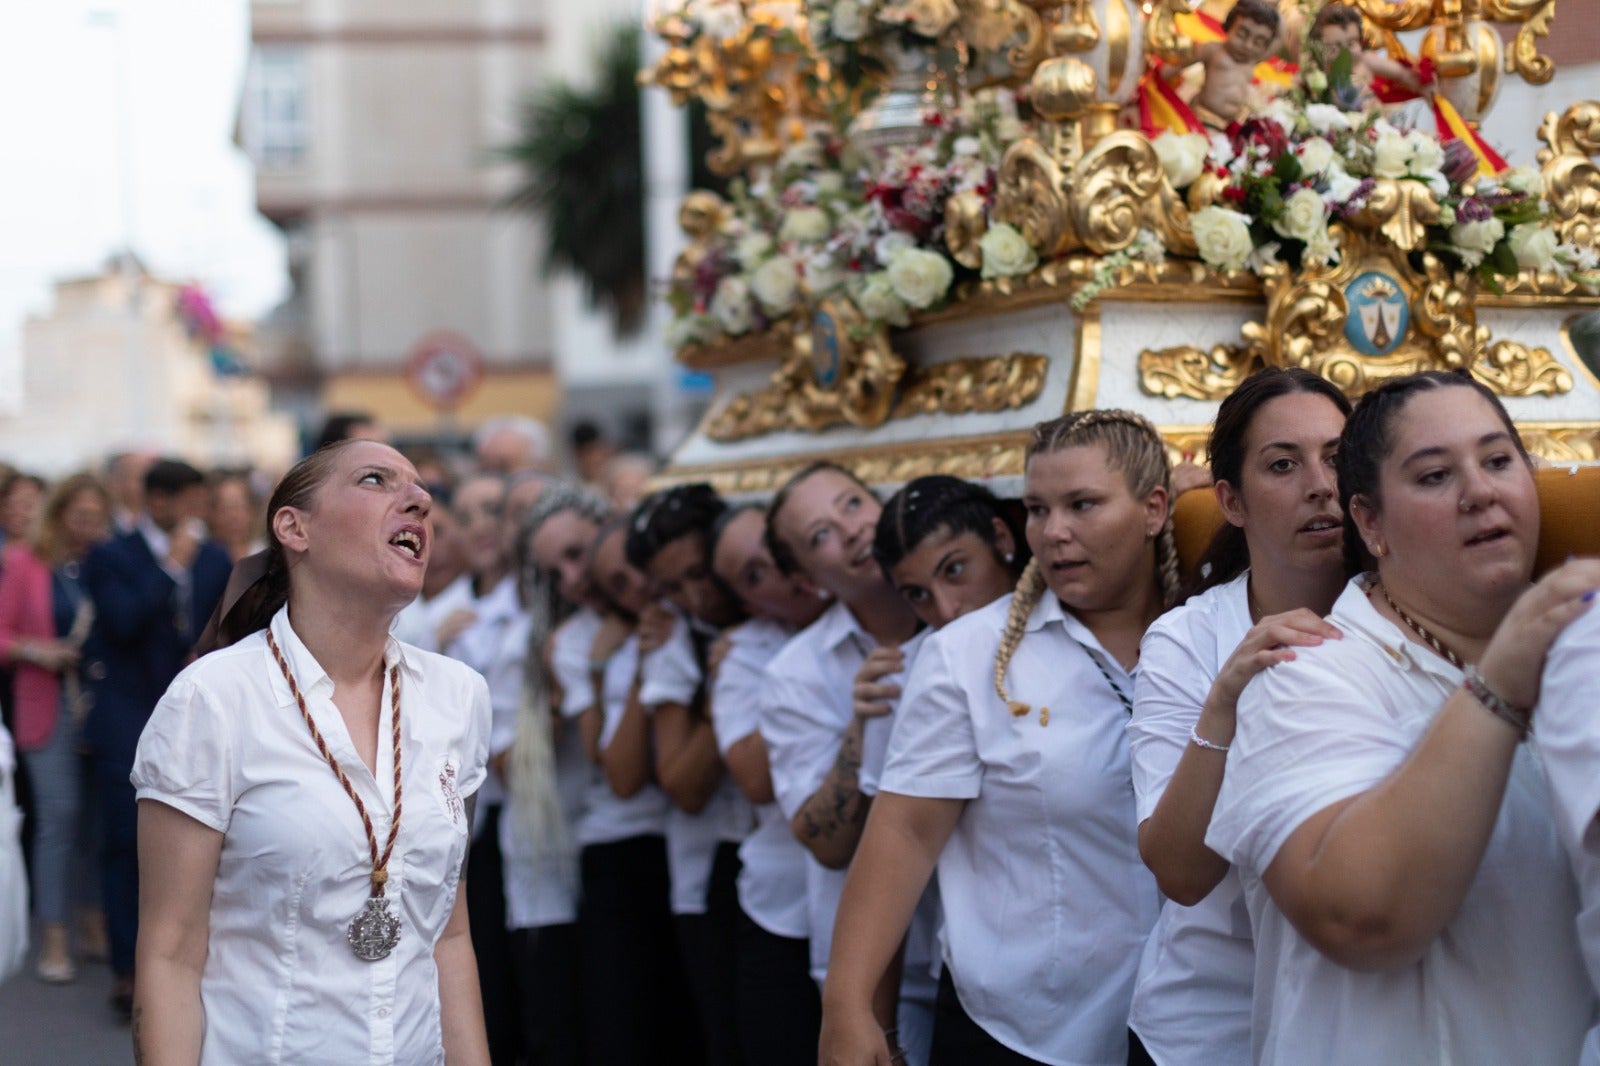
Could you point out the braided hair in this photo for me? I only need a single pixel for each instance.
(1133, 446)
(938, 502)
(531, 777)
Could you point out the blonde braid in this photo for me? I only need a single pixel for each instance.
(1030, 590)
(1142, 457)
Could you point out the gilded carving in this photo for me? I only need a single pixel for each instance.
(977, 458)
(1028, 196)
(1513, 369)
(1563, 443)
(1535, 16)
(1195, 373)
(966, 386)
(1571, 179)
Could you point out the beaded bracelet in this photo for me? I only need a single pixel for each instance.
(1201, 742)
(1491, 701)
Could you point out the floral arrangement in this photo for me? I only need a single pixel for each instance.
(1282, 177)
(825, 223)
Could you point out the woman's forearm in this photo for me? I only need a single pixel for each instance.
(1172, 841)
(1372, 881)
(460, 1001)
(830, 821)
(167, 1018)
(626, 758)
(687, 764)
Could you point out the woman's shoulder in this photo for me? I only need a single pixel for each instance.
(1204, 613)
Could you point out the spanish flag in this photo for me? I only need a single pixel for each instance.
(1161, 108)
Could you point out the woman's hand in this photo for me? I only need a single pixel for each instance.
(853, 1038)
(718, 652)
(871, 698)
(56, 656)
(655, 628)
(613, 631)
(1514, 659)
(1269, 642)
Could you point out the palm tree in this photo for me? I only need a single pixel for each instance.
(582, 163)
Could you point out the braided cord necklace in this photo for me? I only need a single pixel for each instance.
(374, 932)
(1445, 651)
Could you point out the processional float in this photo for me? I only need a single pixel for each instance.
(949, 219)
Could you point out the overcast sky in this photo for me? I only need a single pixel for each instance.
(61, 160)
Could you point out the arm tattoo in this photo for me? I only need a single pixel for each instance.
(138, 1043)
(472, 808)
(838, 803)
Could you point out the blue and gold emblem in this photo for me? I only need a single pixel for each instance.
(1379, 313)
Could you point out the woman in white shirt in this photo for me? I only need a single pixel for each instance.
(668, 540)
(823, 746)
(1408, 895)
(1009, 769)
(776, 1004)
(636, 1008)
(1271, 572)
(260, 941)
(548, 771)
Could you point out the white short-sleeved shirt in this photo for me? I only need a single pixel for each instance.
(772, 875)
(227, 746)
(672, 674)
(1191, 1002)
(607, 817)
(1504, 981)
(1566, 730)
(495, 644)
(807, 709)
(1046, 903)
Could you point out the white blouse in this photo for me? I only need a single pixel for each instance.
(227, 746)
(772, 874)
(807, 709)
(1046, 903)
(607, 817)
(1567, 733)
(495, 644)
(671, 674)
(1504, 981)
(1191, 1002)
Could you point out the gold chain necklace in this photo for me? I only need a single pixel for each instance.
(374, 932)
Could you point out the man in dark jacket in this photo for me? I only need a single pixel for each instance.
(153, 588)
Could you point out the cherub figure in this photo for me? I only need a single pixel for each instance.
(1338, 28)
(1251, 28)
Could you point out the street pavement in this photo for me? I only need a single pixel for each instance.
(61, 1025)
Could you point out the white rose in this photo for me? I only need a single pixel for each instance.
(804, 154)
(1325, 118)
(849, 22)
(830, 182)
(1221, 150)
(1474, 240)
(1304, 214)
(805, 224)
(776, 283)
(1006, 252)
(1525, 180)
(1426, 154)
(1282, 112)
(1391, 155)
(1341, 186)
(1009, 129)
(893, 241)
(721, 21)
(1182, 155)
(753, 250)
(1534, 246)
(877, 299)
(966, 146)
(731, 306)
(1317, 155)
(1223, 237)
(920, 277)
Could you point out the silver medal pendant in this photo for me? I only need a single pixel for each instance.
(374, 932)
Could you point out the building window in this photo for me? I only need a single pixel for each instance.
(275, 127)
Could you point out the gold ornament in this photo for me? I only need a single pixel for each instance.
(972, 385)
(1571, 179)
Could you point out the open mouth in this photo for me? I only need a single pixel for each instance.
(862, 557)
(408, 540)
(1067, 566)
(1322, 524)
(1488, 536)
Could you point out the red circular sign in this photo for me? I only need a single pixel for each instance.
(444, 368)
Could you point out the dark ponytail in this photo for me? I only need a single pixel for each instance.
(937, 502)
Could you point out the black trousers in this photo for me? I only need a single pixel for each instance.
(709, 944)
(779, 1007)
(546, 960)
(960, 1041)
(635, 1003)
(486, 919)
